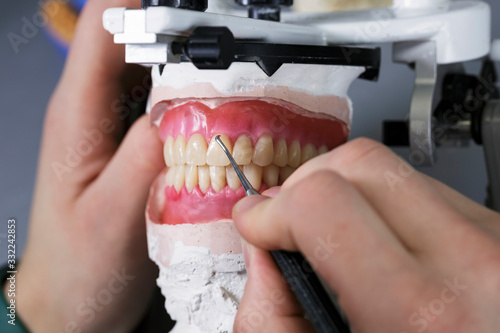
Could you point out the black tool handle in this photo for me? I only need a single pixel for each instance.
(310, 293)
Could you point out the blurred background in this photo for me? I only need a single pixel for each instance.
(30, 68)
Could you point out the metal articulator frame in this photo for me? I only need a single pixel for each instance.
(423, 56)
(491, 144)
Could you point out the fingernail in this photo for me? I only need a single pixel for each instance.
(272, 192)
(247, 203)
(247, 252)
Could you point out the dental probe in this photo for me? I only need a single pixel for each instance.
(307, 287)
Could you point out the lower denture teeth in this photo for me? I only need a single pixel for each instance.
(308, 152)
(280, 153)
(218, 177)
(294, 154)
(232, 178)
(243, 151)
(254, 175)
(270, 175)
(264, 151)
(285, 172)
(191, 175)
(204, 178)
(215, 155)
(170, 176)
(179, 177)
(322, 150)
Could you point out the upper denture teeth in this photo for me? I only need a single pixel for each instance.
(263, 154)
(280, 153)
(270, 175)
(232, 178)
(294, 154)
(243, 151)
(204, 178)
(308, 152)
(196, 150)
(168, 151)
(254, 174)
(191, 175)
(180, 150)
(215, 155)
(218, 177)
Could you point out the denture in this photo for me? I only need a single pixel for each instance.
(271, 125)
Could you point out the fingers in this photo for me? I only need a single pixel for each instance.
(128, 176)
(90, 98)
(267, 305)
(95, 69)
(334, 227)
(400, 194)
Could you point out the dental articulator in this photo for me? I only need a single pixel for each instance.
(434, 37)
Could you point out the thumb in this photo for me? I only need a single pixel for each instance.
(268, 304)
(124, 183)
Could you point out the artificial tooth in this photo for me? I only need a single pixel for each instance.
(191, 177)
(196, 150)
(270, 175)
(170, 176)
(263, 153)
(243, 151)
(179, 177)
(215, 155)
(232, 178)
(322, 150)
(280, 153)
(218, 177)
(254, 175)
(285, 172)
(168, 151)
(294, 154)
(204, 178)
(180, 150)
(308, 152)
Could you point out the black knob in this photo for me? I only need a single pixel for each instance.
(395, 133)
(198, 5)
(265, 9)
(209, 47)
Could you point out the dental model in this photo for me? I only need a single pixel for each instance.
(272, 125)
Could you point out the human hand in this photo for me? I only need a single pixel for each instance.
(403, 252)
(85, 265)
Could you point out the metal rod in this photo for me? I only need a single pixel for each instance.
(244, 181)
